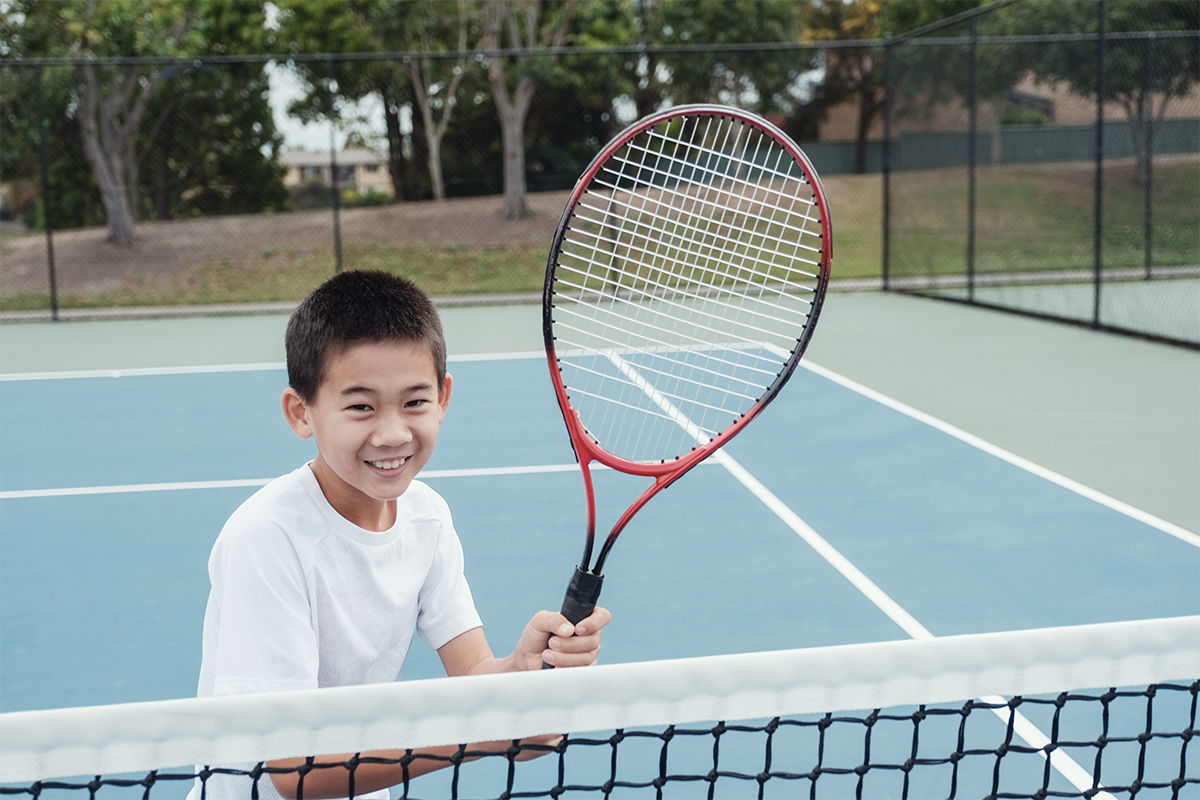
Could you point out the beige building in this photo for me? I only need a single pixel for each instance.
(358, 169)
(1055, 100)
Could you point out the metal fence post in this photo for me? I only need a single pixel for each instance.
(1148, 189)
(334, 194)
(887, 158)
(971, 135)
(1101, 90)
(47, 215)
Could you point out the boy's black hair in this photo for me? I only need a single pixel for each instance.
(354, 307)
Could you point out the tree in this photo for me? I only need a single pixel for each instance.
(429, 86)
(429, 27)
(113, 99)
(1142, 74)
(850, 72)
(209, 145)
(519, 25)
(761, 80)
(855, 71)
(118, 116)
(75, 200)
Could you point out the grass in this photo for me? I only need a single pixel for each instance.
(279, 274)
(1042, 218)
(1029, 218)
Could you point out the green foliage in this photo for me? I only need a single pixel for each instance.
(372, 198)
(1140, 73)
(903, 16)
(206, 143)
(1176, 61)
(760, 79)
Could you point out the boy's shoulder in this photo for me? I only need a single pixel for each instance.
(294, 506)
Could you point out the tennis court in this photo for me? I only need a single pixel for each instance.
(125, 445)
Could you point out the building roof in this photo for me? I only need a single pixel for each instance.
(352, 157)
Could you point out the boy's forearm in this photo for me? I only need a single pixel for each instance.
(335, 781)
(323, 783)
(469, 654)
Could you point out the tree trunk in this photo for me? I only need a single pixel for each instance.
(860, 138)
(109, 147)
(435, 130)
(108, 171)
(397, 164)
(499, 15)
(512, 132)
(161, 151)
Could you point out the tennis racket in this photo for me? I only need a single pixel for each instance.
(683, 285)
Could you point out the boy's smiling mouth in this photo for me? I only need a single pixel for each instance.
(394, 463)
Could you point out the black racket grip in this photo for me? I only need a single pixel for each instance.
(582, 593)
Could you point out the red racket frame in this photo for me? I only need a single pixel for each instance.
(666, 473)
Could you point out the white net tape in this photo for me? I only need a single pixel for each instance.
(145, 736)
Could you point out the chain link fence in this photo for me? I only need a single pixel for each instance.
(996, 176)
(228, 216)
(1067, 187)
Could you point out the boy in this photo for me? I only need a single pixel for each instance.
(322, 577)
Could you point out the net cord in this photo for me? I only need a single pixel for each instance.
(136, 737)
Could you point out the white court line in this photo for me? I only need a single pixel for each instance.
(1095, 496)
(136, 371)
(131, 488)
(1033, 736)
(1021, 725)
(259, 367)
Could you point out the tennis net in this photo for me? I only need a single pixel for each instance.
(1086, 711)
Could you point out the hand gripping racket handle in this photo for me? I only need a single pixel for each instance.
(582, 593)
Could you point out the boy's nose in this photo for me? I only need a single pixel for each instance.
(392, 430)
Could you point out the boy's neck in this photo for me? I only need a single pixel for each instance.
(357, 508)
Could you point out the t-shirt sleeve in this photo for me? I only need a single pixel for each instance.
(446, 606)
(267, 641)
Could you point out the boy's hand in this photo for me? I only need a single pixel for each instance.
(550, 638)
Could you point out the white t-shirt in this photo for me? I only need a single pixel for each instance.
(302, 598)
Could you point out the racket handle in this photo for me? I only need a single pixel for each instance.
(582, 593)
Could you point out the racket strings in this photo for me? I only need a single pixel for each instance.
(754, 272)
(765, 308)
(788, 222)
(754, 320)
(683, 283)
(765, 366)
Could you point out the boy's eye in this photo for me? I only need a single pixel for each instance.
(359, 407)
(416, 403)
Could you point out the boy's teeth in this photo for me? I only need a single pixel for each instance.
(388, 464)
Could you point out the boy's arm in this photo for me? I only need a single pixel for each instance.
(547, 638)
(334, 782)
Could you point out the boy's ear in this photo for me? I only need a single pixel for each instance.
(295, 411)
(444, 395)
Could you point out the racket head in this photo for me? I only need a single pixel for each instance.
(683, 285)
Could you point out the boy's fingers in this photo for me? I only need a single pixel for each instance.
(598, 619)
(566, 644)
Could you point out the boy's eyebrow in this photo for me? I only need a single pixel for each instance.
(424, 386)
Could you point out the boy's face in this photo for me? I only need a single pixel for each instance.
(375, 418)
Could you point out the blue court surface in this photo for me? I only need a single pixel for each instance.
(115, 487)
